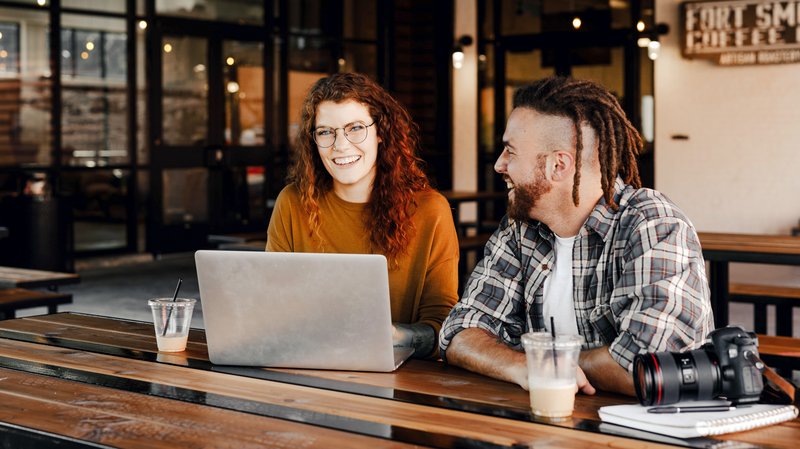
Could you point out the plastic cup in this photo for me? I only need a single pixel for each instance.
(552, 367)
(171, 320)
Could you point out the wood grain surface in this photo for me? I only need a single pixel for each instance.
(756, 243)
(122, 417)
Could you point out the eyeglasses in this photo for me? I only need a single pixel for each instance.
(355, 132)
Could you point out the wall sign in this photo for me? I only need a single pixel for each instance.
(741, 32)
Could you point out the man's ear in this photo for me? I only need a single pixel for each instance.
(563, 165)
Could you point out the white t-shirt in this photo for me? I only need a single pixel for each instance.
(558, 302)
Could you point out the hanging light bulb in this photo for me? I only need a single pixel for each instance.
(458, 51)
(640, 26)
(458, 58)
(576, 22)
(653, 49)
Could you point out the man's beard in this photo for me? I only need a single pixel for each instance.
(527, 195)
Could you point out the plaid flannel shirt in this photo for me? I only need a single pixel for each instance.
(638, 273)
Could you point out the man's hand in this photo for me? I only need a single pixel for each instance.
(605, 372)
(583, 383)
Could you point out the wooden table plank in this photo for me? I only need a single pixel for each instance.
(411, 416)
(756, 243)
(131, 420)
(419, 376)
(433, 378)
(11, 277)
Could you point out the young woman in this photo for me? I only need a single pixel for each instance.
(356, 186)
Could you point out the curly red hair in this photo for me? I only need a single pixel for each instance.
(398, 173)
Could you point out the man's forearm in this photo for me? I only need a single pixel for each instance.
(479, 351)
(604, 372)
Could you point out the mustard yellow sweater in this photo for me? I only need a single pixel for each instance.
(424, 286)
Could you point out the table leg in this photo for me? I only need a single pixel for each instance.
(719, 292)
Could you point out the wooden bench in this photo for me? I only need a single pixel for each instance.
(252, 245)
(783, 298)
(13, 277)
(782, 353)
(13, 299)
(242, 237)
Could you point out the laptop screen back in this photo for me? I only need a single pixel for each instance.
(296, 310)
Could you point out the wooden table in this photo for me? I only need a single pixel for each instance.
(11, 277)
(720, 249)
(85, 381)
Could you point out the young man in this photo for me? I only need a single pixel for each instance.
(583, 243)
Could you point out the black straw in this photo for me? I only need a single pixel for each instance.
(553, 333)
(175, 298)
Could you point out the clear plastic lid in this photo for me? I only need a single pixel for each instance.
(545, 339)
(179, 302)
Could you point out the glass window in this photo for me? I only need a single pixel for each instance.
(98, 200)
(309, 54)
(142, 134)
(184, 195)
(359, 58)
(88, 53)
(114, 55)
(309, 60)
(487, 19)
(486, 80)
(521, 17)
(96, 5)
(537, 16)
(9, 48)
(359, 19)
(237, 11)
(305, 16)
(94, 101)
(25, 131)
(244, 92)
(30, 2)
(67, 52)
(299, 83)
(185, 89)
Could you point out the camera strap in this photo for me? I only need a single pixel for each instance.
(777, 389)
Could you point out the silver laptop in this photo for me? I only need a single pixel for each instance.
(297, 310)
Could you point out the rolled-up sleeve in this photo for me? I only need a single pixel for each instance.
(662, 299)
(493, 297)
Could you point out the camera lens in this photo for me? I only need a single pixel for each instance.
(670, 377)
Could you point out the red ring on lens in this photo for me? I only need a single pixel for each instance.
(659, 379)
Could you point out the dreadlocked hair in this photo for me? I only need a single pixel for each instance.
(398, 175)
(586, 102)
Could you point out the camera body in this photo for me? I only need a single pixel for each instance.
(724, 367)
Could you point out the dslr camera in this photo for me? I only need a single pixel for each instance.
(726, 367)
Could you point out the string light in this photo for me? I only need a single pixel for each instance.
(576, 23)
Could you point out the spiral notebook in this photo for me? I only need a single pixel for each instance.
(698, 424)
